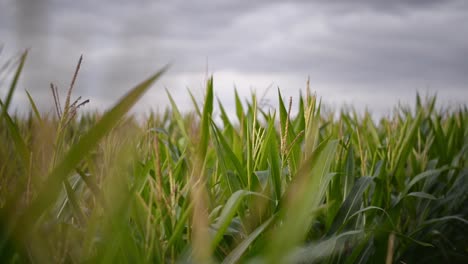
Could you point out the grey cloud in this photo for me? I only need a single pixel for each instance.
(357, 44)
(362, 46)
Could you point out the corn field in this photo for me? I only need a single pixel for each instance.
(294, 184)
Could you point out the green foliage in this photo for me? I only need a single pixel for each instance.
(267, 187)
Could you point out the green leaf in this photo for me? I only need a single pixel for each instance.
(227, 123)
(74, 203)
(274, 159)
(206, 118)
(362, 252)
(179, 120)
(227, 214)
(240, 249)
(424, 175)
(351, 204)
(18, 72)
(317, 251)
(288, 136)
(181, 224)
(197, 109)
(18, 140)
(404, 147)
(227, 154)
(239, 108)
(33, 105)
(304, 196)
(92, 185)
(423, 195)
(445, 218)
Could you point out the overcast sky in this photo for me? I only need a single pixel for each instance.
(369, 53)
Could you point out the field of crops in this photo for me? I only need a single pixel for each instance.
(293, 185)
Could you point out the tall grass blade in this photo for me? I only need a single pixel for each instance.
(14, 83)
(34, 108)
(18, 140)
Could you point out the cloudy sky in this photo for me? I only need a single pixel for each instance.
(369, 53)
